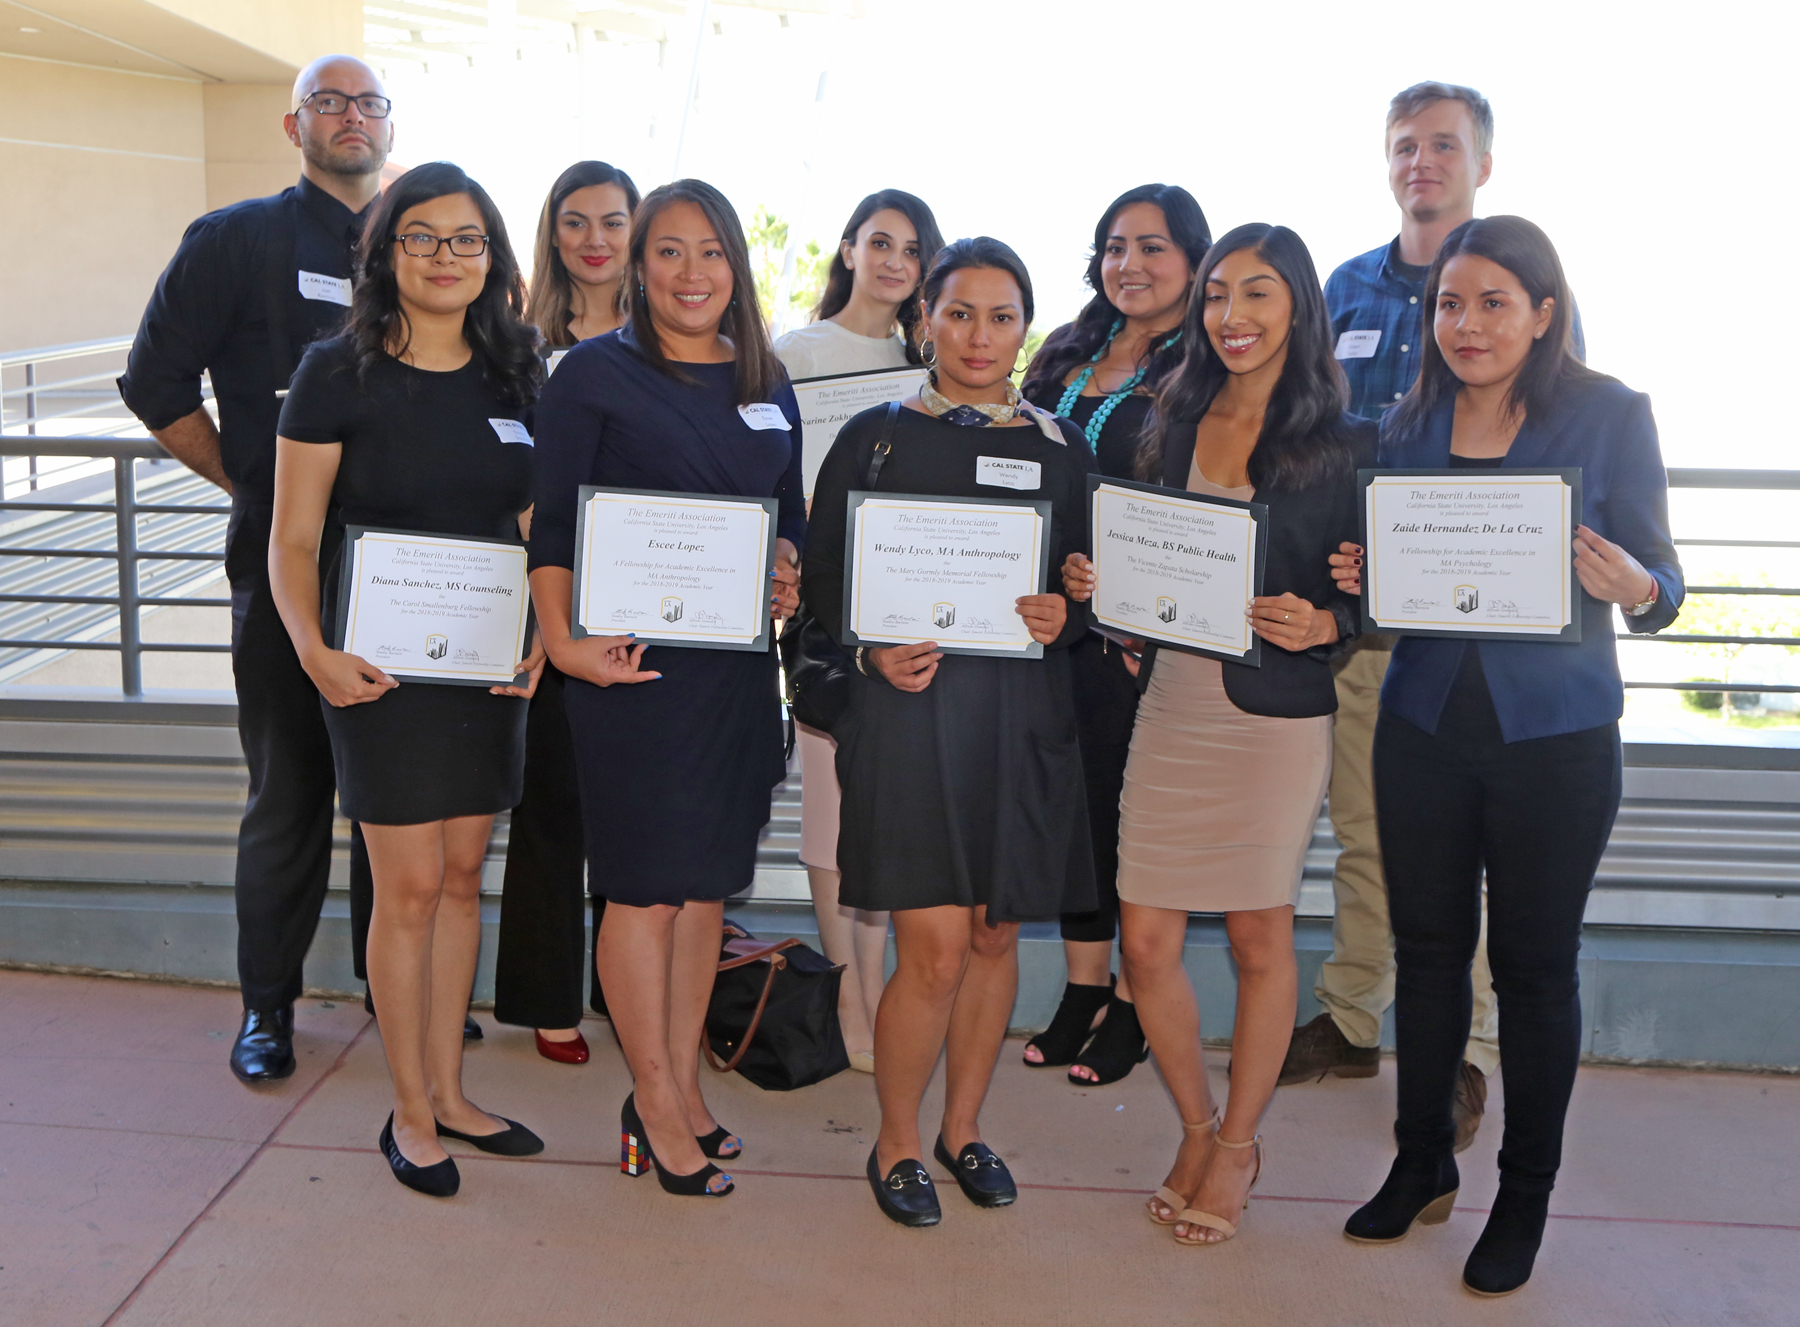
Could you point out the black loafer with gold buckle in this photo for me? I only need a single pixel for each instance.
(982, 1176)
(907, 1194)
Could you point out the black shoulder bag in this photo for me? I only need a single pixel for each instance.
(817, 669)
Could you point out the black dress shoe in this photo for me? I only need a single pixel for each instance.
(907, 1194)
(1502, 1258)
(982, 1176)
(439, 1181)
(513, 1141)
(1418, 1189)
(264, 1049)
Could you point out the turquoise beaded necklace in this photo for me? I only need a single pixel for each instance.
(1104, 410)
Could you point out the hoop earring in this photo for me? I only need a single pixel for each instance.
(928, 353)
(1019, 368)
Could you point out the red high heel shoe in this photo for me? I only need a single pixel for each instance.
(563, 1052)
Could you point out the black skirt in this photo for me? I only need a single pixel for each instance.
(676, 774)
(967, 793)
(426, 751)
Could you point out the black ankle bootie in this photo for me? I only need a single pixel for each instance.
(1073, 1024)
(1418, 1189)
(1502, 1258)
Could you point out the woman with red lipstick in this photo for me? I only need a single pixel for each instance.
(677, 750)
(867, 319)
(1504, 755)
(962, 798)
(1100, 371)
(415, 419)
(576, 292)
(1228, 762)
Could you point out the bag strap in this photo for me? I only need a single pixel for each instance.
(776, 962)
(883, 445)
(278, 279)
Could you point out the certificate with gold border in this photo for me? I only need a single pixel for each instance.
(920, 568)
(1479, 554)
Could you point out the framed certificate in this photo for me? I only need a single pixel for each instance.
(1177, 568)
(1480, 554)
(942, 569)
(674, 568)
(434, 608)
(827, 403)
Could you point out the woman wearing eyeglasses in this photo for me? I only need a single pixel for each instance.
(576, 293)
(416, 419)
(678, 749)
(1100, 371)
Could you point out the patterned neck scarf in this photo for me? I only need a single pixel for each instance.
(970, 416)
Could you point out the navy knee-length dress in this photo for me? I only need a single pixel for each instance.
(675, 774)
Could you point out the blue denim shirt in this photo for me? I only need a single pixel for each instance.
(1376, 299)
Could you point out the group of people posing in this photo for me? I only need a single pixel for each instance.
(1116, 786)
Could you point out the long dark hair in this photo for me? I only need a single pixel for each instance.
(552, 288)
(1524, 250)
(1077, 342)
(840, 279)
(980, 251)
(758, 371)
(494, 324)
(1302, 443)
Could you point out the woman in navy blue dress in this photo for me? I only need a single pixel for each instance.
(677, 749)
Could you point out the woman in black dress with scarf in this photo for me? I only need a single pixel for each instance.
(677, 749)
(1100, 371)
(415, 419)
(962, 810)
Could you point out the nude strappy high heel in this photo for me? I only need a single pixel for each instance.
(1192, 1217)
(1171, 1201)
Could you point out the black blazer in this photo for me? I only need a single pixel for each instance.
(1305, 528)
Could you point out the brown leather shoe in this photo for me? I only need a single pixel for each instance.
(1318, 1048)
(1469, 1104)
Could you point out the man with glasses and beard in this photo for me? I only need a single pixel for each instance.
(249, 288)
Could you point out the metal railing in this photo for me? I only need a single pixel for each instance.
(127, 554)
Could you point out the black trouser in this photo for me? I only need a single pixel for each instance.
(543, 948)
(284, 842)
(1106, 701)
(1536, 814)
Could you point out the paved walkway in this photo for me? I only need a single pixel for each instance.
(140, 1184)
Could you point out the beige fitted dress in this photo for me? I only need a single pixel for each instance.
(1219, 805)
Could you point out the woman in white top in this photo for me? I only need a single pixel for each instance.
(865, 320)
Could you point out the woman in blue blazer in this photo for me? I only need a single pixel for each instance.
(1504, 755)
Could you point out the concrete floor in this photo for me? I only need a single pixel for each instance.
(140, 1184)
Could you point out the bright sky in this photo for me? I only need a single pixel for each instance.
(1624, 130)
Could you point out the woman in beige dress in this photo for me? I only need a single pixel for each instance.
(1228, 761)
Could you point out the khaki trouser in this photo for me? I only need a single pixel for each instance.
(1356, 984)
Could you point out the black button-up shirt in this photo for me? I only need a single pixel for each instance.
(210, 311)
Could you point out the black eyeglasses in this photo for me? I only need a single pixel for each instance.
(336, 103)
(417, 245)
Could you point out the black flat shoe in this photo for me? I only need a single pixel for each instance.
(1073, 1024)
(636, 1157)
(264, 1049)
(907, 1195)
(1118, 1046)
(515, 1140)
(439, 1181)
(713, 1144)
(1502, 1259)
(982, 1176)
(1418, 1189)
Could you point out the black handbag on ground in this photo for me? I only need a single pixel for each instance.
(816, 667)
(773, 1015)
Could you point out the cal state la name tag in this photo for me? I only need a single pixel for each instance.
(762, 415)
(1004, 472)
(510, 430)
(331, 289)
(1358, 345)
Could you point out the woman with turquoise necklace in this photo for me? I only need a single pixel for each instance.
(1100, 371)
